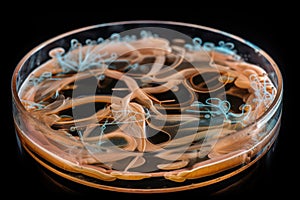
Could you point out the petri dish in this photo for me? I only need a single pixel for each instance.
(147, 106)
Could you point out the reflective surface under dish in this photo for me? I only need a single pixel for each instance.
(147, 106)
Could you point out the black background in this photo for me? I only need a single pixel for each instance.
(269, 29)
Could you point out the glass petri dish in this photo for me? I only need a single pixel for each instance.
(147, 106)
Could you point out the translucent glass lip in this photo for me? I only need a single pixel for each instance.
(274, 106)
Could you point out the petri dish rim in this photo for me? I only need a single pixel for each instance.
(259, 122)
